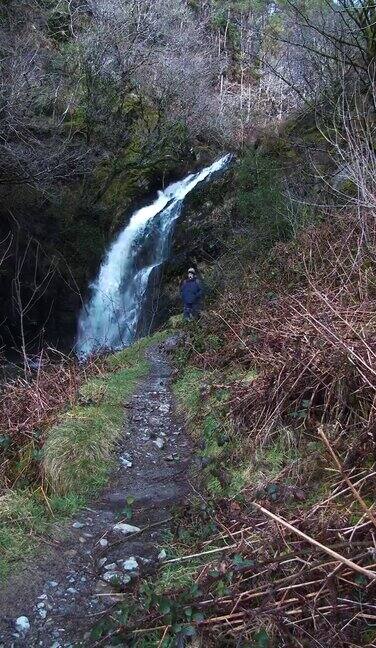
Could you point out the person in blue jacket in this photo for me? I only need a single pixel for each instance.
(191, 293)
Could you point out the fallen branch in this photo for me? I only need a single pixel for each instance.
(328, 550)
(337, 462)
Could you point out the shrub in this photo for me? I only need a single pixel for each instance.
(260, 200)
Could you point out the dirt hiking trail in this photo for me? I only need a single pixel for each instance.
(63, 591)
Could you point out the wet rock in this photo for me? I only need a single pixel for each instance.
(130, 564)
(22, 625)
(126, 528)
(116, 577)
(125, 463)
(126, 460)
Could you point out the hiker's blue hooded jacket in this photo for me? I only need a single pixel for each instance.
(191, 291)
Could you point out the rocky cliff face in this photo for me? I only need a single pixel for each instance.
(208, 217)
(54, 243)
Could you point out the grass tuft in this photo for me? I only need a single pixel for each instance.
(78, 450)
(22, 518)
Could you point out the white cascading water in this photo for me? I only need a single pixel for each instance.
(110, 319)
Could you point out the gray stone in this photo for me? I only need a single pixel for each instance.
(116, 577)
(22, 625)
(102, 561)
(72, 590)
(126, 528)
(78, 525)
(159, 442)
(130, 564)
(162, 555)
(103, 542)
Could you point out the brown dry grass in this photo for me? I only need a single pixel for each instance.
(28, 408)
(305, 320)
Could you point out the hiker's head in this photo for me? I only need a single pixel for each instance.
(191, 273)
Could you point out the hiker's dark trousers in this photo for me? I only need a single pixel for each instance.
(191, 311)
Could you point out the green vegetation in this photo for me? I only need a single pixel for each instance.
(260, 197)
(77, 452)
(205, 405)
(22, 518)
(187, 390)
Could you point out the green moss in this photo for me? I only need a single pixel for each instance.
(187, 390)
(238, 480)
(260, 199)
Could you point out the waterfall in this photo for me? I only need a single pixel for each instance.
(110, 319)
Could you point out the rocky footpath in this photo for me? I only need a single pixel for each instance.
(60, 594)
